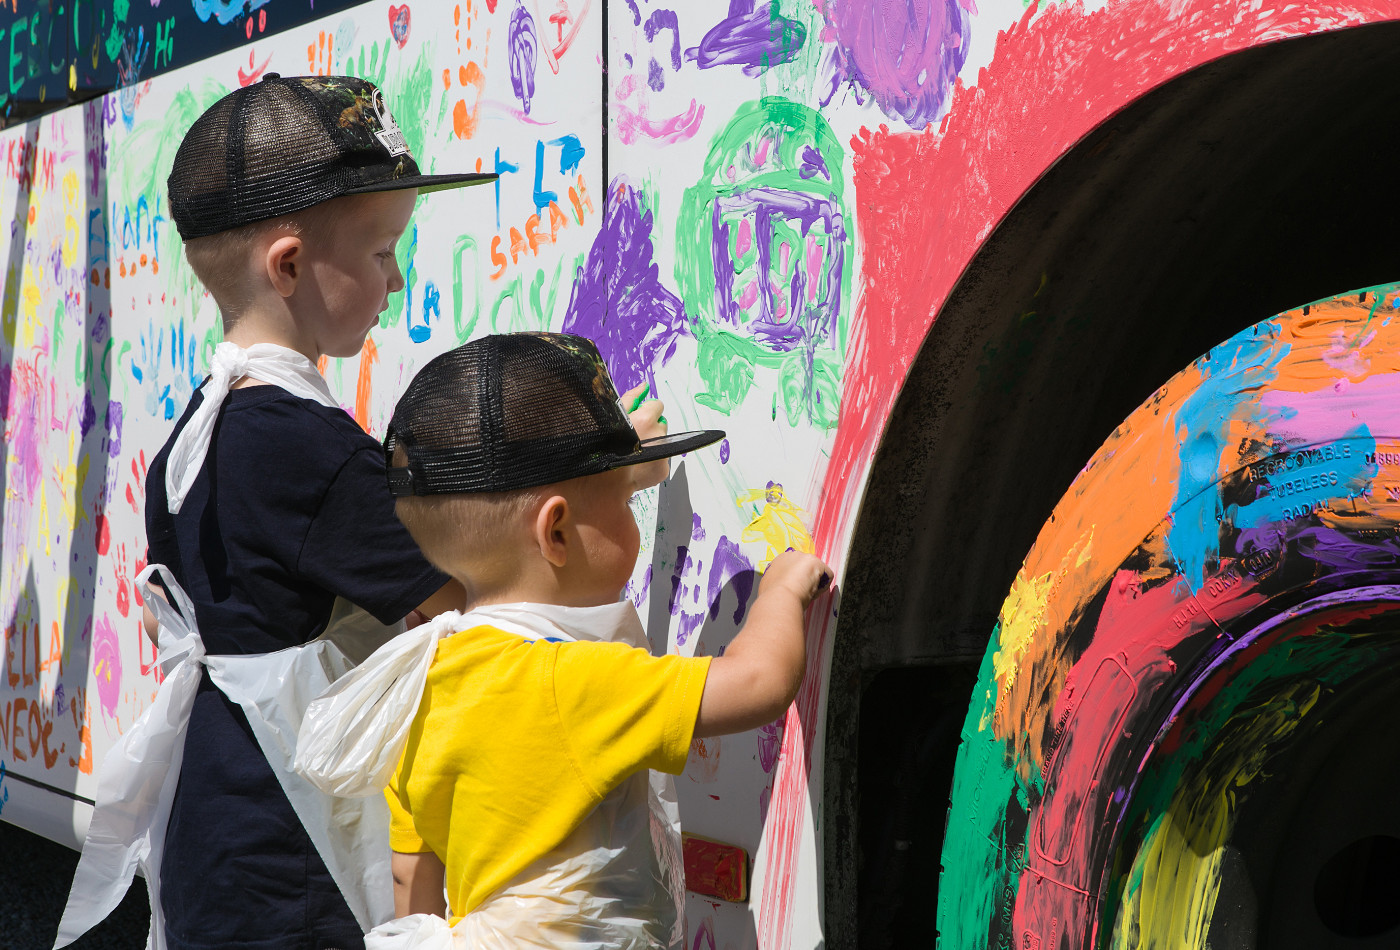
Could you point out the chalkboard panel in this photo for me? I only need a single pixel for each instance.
(56, 52)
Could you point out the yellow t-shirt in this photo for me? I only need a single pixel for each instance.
(516, 741)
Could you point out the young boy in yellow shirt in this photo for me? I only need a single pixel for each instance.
(523, 786)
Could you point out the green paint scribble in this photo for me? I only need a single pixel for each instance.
(464, 249)
(509, 302)
(141, 164)
(408, 91)
(763, 260)
(983, 844)
(120, 10)
(796, 78)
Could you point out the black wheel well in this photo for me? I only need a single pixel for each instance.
(1249, 185)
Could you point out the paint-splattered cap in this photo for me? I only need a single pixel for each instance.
(515, 411)
(287, 143)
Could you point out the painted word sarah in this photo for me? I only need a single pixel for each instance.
(532, 237)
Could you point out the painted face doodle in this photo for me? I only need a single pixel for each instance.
(762, 246)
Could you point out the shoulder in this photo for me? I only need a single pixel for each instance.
(480, 644)
(282, 416)
(270, 430)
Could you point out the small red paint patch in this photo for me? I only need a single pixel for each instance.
(399, 23)
(715, 869)
(104, 535)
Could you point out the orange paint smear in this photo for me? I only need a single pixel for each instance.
(369, 355)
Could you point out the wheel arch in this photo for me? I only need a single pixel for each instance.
(1228, 194)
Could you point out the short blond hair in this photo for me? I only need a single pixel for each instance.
(455, 530)
(220, 260)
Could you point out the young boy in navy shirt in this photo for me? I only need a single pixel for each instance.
(267, 502)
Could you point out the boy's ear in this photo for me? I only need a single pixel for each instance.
(552, 523)
(282, 261)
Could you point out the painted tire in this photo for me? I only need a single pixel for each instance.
(1183, 691)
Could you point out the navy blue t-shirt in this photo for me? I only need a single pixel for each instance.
(290, 510)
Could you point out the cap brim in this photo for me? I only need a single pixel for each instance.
(427, 183)
(668, 445)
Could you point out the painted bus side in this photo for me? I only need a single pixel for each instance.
(761, 210)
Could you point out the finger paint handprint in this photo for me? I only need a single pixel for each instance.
(470, 76)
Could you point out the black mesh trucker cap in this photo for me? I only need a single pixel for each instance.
(287, 143)
(515, 411)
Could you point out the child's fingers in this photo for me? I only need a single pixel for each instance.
(803, 574)
(634, 396)
(646, 419)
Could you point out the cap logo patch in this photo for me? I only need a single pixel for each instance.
(389, 134)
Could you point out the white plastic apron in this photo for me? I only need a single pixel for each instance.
(599, 889)
(136, 780)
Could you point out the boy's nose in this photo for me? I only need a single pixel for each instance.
(396, 281)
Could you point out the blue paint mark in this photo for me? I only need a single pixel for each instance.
(4, 792)
(501, 168)
(432, 307)
(410, 277)
(1310, 476)
(571, 152)
(1231, 371)
(542, 197)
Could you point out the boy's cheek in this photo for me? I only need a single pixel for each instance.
(649, 474)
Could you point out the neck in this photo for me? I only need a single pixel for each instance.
(538, 589)
(260, 326)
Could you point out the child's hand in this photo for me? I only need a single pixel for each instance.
(646, 419)
(803, 575)
(756, 678)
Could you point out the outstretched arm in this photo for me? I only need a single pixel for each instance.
(418, 883)
(758, 676)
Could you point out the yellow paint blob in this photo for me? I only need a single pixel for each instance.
(778, 522)
(1023, 613)
(70, 221)
(1172, 888)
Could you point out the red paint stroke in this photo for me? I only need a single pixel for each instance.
(559, 18)
(254, 73)
(715, 869)
(1120, 673)
(928, 199)
(782, 831)
(400, 21)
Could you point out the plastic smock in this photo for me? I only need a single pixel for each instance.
(617, 881)
(136, 780)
